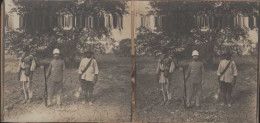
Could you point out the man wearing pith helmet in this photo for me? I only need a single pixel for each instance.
(55, 76)
(194, 80)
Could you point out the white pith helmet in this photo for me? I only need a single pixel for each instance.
(56, 51)
(195, 53)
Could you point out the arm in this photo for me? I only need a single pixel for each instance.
(188, 73)
(63, 70)
(235, 72)
(33, 65)
(158, 70)
(158, 67)
(19, 69)
(219, 70)
(80, 70)
(172, 68)
(49, 70)
(96, 70)
(202, 74)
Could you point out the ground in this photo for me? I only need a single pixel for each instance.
(148, 95)
(112, 94)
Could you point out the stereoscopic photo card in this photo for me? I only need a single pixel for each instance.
(67, 61)
(196, 61)
(129, 61)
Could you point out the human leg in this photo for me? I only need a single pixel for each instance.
(25, 92)
(189, 93)
(228, 94)
(29, 89)
(168, 91)
(198, 94)
(90, 90)
(163, 93)
(51, 89)
(59, 86)
(223, 92)
(84, 91)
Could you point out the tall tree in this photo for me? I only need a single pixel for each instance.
(180, 32)
(42, 39)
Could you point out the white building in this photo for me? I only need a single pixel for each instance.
(120, 26)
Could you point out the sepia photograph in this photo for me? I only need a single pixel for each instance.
(130, 61)
(67, 61)
(196, 61)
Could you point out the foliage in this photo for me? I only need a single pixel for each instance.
(183, 37)
(124, 48)
(42, 42)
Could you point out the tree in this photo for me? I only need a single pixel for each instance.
(42, 39)
(180, 33)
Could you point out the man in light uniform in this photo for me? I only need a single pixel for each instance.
(227, 78)
(88, 76)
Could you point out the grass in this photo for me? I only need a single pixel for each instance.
(148, 95)
(112, 94)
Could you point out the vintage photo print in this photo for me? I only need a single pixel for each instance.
(67, 61)
(196, 61)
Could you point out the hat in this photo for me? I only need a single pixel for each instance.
(56, 51)
(228, 54)
(195, 53)
(89, 51)
(26, 48)
(164, 51)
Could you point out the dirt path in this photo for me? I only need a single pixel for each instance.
(112, 94)
(148, 97)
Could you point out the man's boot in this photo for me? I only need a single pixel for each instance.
(59, 101)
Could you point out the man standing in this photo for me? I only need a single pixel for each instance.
(227, 75)
(164, 72)
(194, 80)
(55, 76)
(26, 67)
(88, 76)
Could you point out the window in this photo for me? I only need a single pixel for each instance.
(20, 21)
(68, 21)
(89, 21)
(158, 21)
(145, 21)
(60, 21)
(109, 21)
(120, 22)
(65, 21)
(117, 21)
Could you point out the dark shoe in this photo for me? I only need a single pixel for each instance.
(188, 107)
(83, 102)
(24, 101)
(48, 104)
(59, 106)
(198, 107)
(29, 101)
(162, 103)
(167, 102)
(90, 103)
